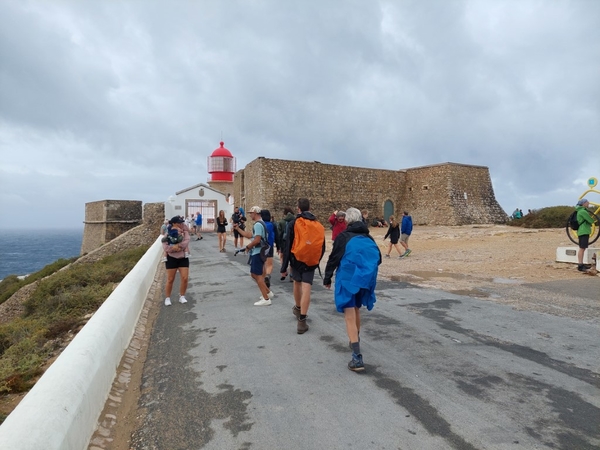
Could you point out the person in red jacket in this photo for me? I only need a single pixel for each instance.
(338, 223)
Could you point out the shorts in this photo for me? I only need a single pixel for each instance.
(302, 277)
(175, 263)
(393, 241)
(256, 264)
(404, 238)
(361, 298)
(237, 234)
(584, 241)
(271, 252)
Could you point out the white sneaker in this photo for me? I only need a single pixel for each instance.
(186, 255)
(270, 295)
(262, 302)
(168, 301)
(164, 259)
(182, 299)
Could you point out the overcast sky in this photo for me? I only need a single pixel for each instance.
(126, 99)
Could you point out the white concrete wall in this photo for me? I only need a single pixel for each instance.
(62, 409)
(569, 255)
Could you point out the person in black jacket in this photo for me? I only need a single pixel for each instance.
(394, 234)
(302, 274)
(355, 257)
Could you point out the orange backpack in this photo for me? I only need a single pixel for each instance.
(309, 237)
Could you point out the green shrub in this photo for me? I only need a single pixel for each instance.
(11, 284)
(56, 307)
(551, 217)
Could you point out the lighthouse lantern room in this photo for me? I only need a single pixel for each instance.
(221, 165)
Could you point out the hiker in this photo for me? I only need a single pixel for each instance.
(405, 232)
(222, 230)
(338, 223)
(356, 258)
(239, 224)
(394, 233)
(177, 261)
(255, 261)
(282, 226)
(198, 226)
(265, 214)
(585, 221)
(304, 248)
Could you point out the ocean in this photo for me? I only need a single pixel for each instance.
(26, 251)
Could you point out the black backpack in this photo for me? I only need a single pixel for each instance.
(573, 223)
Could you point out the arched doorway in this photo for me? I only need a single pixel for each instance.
(388, 209)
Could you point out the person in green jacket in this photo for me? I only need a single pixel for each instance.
(583, 232)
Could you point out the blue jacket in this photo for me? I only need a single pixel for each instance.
(356, 258)
(406, 227)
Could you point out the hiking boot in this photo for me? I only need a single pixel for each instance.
(583, 267)
(270, 295)
(296, 311)
(356, 364)
(407, 252)
(262, 302)
(387, 256)
(302, 326)
(268, 281)
(182, 299)
(168, 301)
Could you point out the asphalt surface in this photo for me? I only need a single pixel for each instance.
(442, 371)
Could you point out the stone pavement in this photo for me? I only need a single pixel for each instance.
(442, 371)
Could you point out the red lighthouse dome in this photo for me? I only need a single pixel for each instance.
(221, 164)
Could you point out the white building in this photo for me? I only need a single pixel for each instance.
(199, 198)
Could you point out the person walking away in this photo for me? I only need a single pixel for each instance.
(585, 220)
(198, 227)
(239, 224)
(355, 257)
(365, 217)
(177, 262)
(256, 263)
(338, 223)
(405, 232)
(282, 226)
(394, 233)
(265, 215)
(304, 248)
(221, 230)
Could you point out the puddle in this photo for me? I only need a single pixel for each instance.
(438, 274)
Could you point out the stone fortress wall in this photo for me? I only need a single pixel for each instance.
(107, 219)
(440, 194)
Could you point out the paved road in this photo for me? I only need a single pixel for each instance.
(442, 371)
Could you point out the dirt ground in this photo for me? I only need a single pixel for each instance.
(493, 262)
(464, 256)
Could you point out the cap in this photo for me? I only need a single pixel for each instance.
(176, 219)
(582, 202)
(256, 209)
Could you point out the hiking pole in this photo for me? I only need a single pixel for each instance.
(239, 251)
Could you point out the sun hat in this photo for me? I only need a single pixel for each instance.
(256, 209)
(582, 202)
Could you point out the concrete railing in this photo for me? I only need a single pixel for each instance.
(62, 409)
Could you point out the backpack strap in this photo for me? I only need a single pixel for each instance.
(264, 225)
